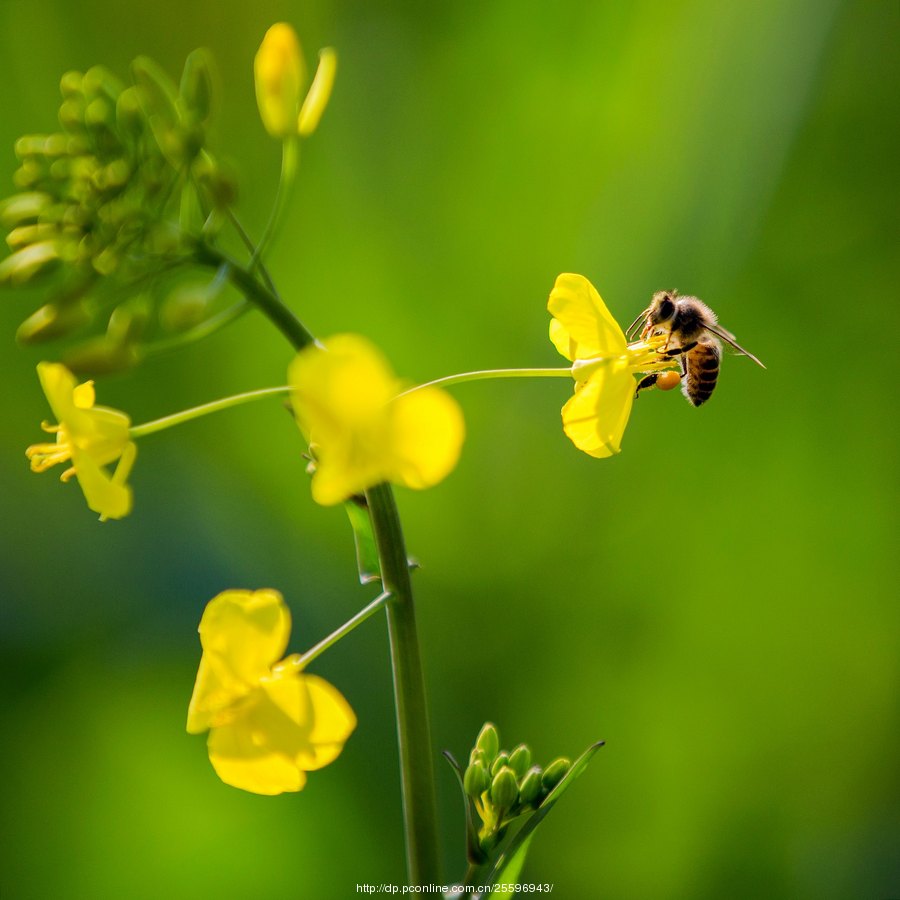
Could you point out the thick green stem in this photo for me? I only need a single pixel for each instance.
(414, 737)
(416, 762)
(258, 294)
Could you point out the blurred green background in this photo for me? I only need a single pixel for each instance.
(715, 602)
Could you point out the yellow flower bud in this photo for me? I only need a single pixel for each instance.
(280, 78)
(24, 208)
(51, 321)
(319, 93)
(91, 437)
(25, 264)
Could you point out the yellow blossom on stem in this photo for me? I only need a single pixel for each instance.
(280, 76)
(347, 403)
(92, 437)
(269, 722)
(584, 331)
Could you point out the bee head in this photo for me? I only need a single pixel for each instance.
(662, 307)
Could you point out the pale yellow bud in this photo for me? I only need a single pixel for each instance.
(319, 92)
(280, 78)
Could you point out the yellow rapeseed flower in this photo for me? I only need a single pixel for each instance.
(280, 76)
(91, 437)
(584, 331)
(363, 428)
(270, 723)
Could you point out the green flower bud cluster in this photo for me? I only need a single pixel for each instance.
(112, 202)
(503, 784)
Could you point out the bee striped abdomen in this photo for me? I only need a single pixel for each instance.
(702, 370)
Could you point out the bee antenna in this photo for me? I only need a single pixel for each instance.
(633, 327)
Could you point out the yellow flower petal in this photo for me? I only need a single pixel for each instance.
(111, 498)
(241, 756)
(92, 437)
(345, 384)
(280, 75)
(84, 395)
(61, 390)
(346, 402)
(292, 725)
(323, 719)
(595, 417)
(269, 723)
(427, 432)
(243, 633)
(319, 93)
(583, 327)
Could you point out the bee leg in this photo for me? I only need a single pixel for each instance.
(679, 351)
(648, 381)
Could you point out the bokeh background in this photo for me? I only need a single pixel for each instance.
(718, 602)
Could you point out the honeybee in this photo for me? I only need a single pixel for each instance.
(693, 334)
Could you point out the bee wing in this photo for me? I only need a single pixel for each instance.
(632, 329)
(728, 337)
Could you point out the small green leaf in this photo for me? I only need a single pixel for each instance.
(474, 852)
(512, 869)
(509, 864)
(367, 561)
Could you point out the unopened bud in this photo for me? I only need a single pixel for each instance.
(71, 114)
(476, 780)
(70, 84)
(128, 321)
(52, 321)
(319, 93)
(29, 175)
(129, 114)
(197, 85)
(98, 81)
(280, 76)
(520, 759)
(106, 261)
(99, 356)
(158, 98)
(157, 90)
(504, 788)
(488, 740)
(531, 787)
(23, 208)
(30, 234)
(501, 760)
(555, 772)
(218, 180)
(185, 307)
(25, 264)
(477, 755)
